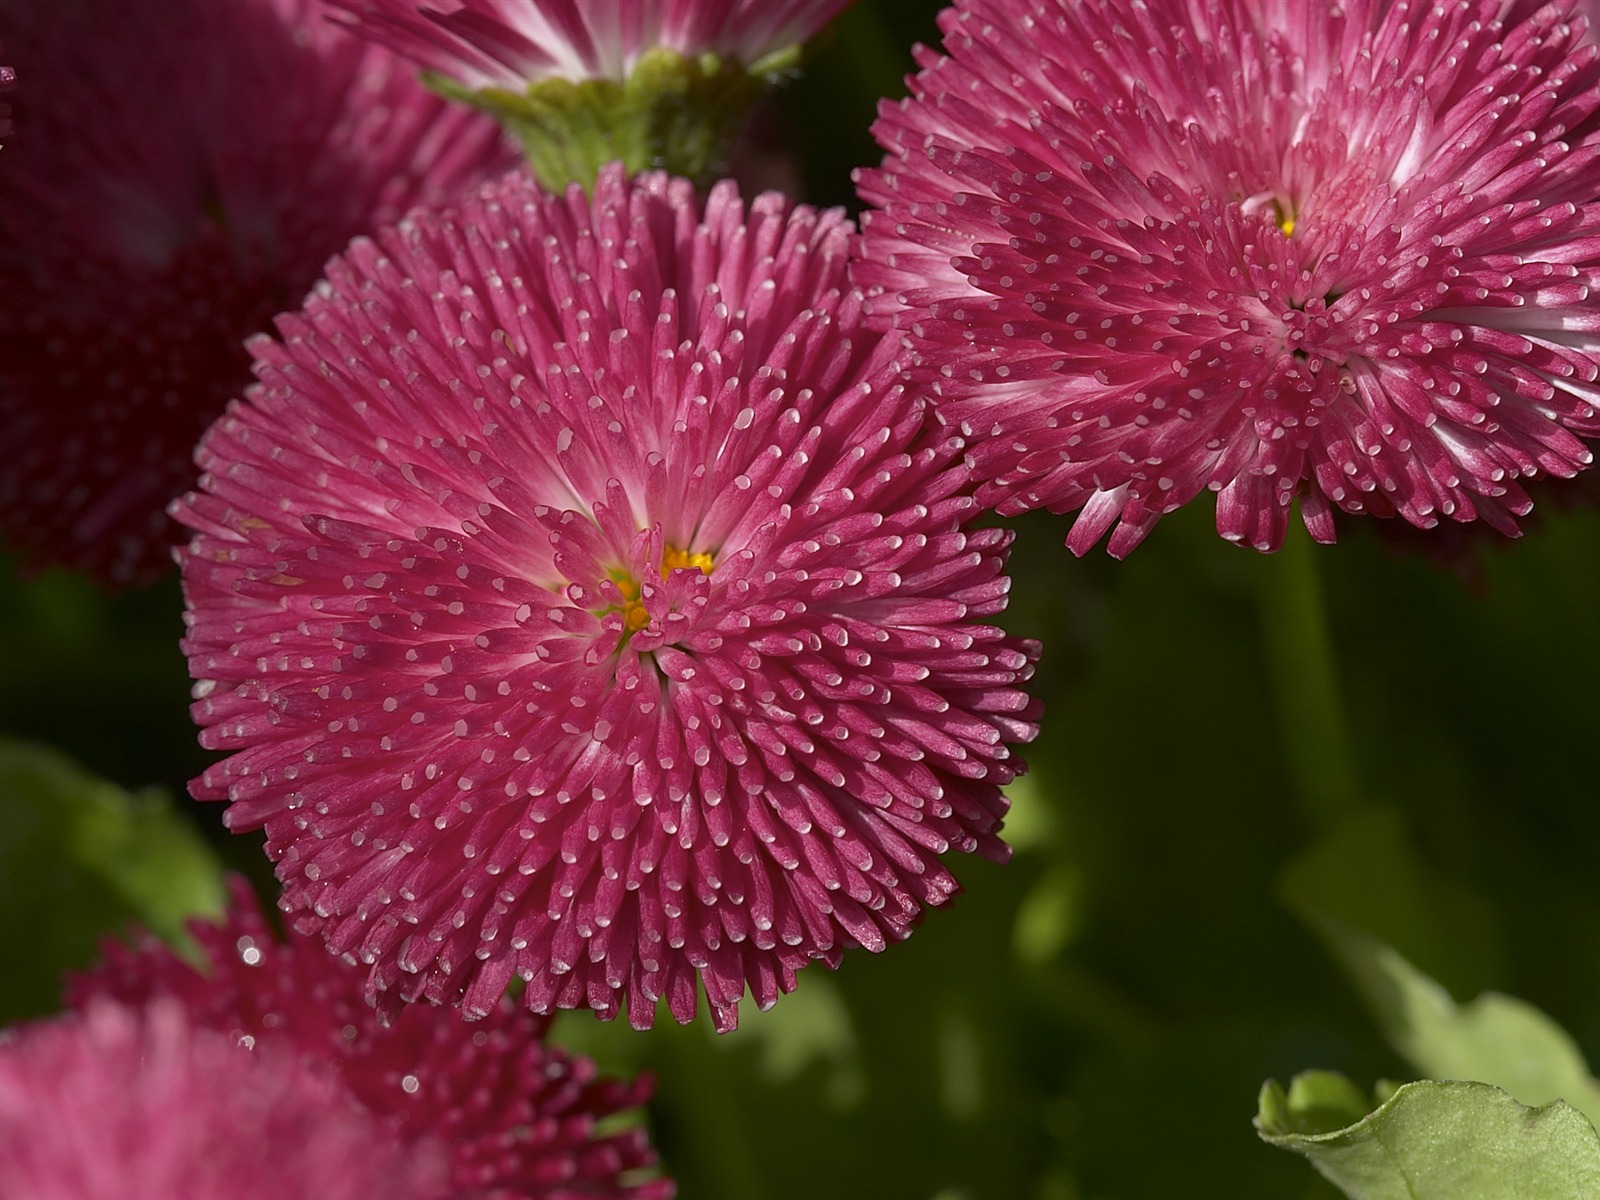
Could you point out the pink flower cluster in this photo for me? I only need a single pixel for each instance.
(498, 1113)
(591, 590)
(262, 1073)
(579, 596)
(115, 1102)
(1340, 255)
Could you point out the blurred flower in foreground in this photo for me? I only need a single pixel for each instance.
(117, 1102)
(653, 83)
(180, 173)
(1343, 254)
(581, 597)
(515, 1117)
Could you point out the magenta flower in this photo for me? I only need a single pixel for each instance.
(142, 241)
(510, 44)
(516, 1117)
(116, 1102)
(579, 596)
(1343, 254)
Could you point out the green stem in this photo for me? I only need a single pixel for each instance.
(1305, 681)
(699, 1087)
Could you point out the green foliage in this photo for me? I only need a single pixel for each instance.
(1365, 875)
(1494, 1039)
(81, 859)
(1433, 1141)
(1522, 1127)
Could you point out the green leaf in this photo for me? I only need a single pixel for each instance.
(1318, 1102)
(81, 859)
(1435, 1141)
(1494, 1039)
(1365, 875)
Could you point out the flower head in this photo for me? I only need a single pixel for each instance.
(517, 1116)
(579, 596)
(114, 1102)
(140, 243)
(651, 83)
(1343, 254)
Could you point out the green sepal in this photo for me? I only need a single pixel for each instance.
(674, 113)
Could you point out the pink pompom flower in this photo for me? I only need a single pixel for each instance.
(185, 169)
(509, 44)
(116, 1102)
(579, 596)
(516, 1117)
(1343, 254)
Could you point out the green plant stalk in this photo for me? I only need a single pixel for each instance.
(1305, 681)
(707, 1096)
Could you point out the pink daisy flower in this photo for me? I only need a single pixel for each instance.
(517, 1116)
(140, 243)
(1339, 254)
(116, 1102)
(579, 596)
(509, 44)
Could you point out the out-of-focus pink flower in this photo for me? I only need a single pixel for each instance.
(516, 1116)
(8, 81)
(117, 1102)
(510, 44)
(1344, 254)
(579, 596)
(183, 171)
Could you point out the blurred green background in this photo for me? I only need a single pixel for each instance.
(1397, 741)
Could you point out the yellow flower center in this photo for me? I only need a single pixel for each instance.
(1285, 217)
(673, 559)
(634, 614)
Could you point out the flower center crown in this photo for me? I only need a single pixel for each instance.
(634, 614)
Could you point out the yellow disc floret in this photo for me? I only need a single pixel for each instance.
(634, 614)
(673, 559)
(1286, 214)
